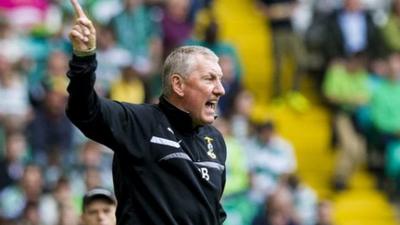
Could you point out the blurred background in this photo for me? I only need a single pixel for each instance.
(311, 115)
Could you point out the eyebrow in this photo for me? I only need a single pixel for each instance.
(214, 74)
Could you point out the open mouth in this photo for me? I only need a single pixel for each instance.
(211, 104)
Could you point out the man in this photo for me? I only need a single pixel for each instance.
(286, 44)
(98, 207)
(169, 163)
(271, 158)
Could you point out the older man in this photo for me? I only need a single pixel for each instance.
(169, 162)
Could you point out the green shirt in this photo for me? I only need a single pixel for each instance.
(385, 107)
(391, 32)
(236, 167)
(346, 89)
(135, 30)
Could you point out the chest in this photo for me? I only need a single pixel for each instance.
(197, 156)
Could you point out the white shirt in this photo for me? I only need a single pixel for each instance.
(269, 161)
(354, 28)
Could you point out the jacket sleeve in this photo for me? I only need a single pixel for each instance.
(221, 211)
(98, 118)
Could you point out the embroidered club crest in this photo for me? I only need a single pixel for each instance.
(210, 147)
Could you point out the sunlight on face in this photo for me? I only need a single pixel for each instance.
(202, 90)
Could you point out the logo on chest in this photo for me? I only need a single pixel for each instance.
(210, 147)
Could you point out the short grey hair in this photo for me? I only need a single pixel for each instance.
(181, 61)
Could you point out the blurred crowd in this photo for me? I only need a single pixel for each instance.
(351, 48)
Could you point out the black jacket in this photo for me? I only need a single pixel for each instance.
(335, 44)
(165, 171)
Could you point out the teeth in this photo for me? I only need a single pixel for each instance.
(212, 104)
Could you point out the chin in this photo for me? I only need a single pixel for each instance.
(208, 120)
(204, 121)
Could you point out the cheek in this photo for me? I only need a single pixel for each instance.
(199, 94)
(196, 104)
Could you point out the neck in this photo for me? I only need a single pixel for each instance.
(175, 101)
(179, 117)
(178, 103)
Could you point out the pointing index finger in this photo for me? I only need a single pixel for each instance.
(78, 9)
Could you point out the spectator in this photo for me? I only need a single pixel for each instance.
(278, 209)
(304, 200)
(15, 198)
(236, 162)
(270, 158)
(51, 204)
(50, 131)
(30, 215)
(286, 44)
(53, 76)
(68, 216)
(128, 87)
(239, 116)
(231, 84)
(385, 119)
(13, 163)
(142, 39)
(91, 168)
(391, 29)
(99, 207)
(175, 24)
(11, 42)
(241, 208)
(346, 87)
(352, 30)
(209, 37)
(14, 101)
(111, 58)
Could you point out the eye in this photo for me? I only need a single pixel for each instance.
(92, 212)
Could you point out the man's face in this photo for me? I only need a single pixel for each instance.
(99, 212)
(353, 5)
(202, 90)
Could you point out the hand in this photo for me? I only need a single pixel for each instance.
(83, 33)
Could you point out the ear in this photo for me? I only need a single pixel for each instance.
(178, 84)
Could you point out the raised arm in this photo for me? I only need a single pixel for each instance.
(90, 113)
(108, 122)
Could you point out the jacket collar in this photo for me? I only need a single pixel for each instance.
(179, 119)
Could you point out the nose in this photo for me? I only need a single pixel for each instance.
(101, 216)
(219, 89)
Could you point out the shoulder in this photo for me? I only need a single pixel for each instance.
(139, 108)
(144, 112)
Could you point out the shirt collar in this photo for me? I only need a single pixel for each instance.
(179, 119)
